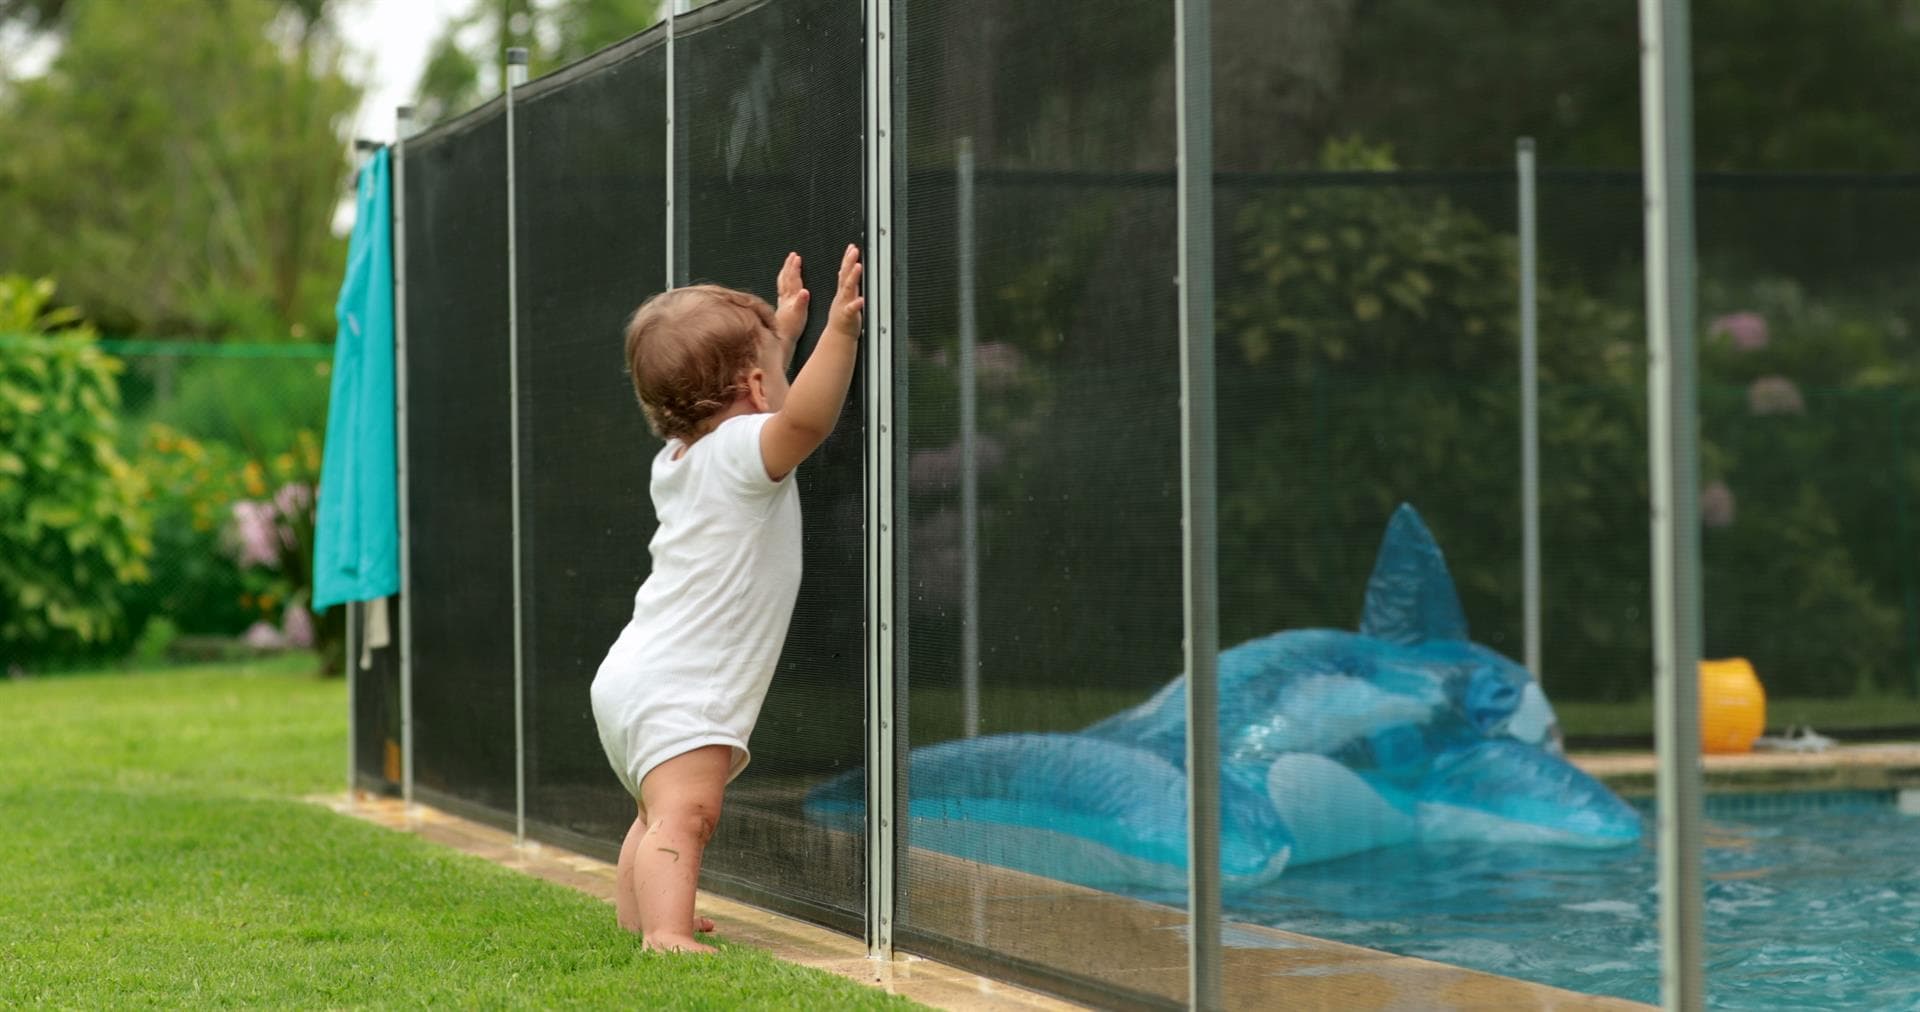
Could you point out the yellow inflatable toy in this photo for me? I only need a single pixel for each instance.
(1733, 707)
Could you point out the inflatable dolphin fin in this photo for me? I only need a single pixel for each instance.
(1410, 597)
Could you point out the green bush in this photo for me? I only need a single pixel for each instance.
(196, 582)
(1368, 356)
(72, 528)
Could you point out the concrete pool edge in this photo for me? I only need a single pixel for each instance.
(1893, 766)
(1056, 924)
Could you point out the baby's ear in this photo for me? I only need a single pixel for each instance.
(756, 391)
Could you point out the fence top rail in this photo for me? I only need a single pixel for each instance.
(473, 119)
(187, 349)
(633, 46)
(1547, 175)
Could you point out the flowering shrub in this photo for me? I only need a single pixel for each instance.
(233, 538)
(1805, 401)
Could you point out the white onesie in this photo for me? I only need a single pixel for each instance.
(692, 666)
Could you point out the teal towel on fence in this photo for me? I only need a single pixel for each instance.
(356, 554)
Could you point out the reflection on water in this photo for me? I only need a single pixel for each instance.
(1819, 910)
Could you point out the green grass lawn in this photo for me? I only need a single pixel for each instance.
(155, 852)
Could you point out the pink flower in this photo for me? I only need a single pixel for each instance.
(294, 501)
(939, 470)
(1716, 505)
(297, 626)
(998, 363)
(263, 636)
(1747, 330)
(293, 498)
(255, 524)
(1775, 395)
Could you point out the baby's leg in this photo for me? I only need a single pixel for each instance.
(626, 884)
(682, 800)
(626, 901)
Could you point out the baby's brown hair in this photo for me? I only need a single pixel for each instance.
(687, 348)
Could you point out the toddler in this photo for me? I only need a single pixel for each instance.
(676, 698)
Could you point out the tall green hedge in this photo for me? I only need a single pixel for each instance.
(72, 527)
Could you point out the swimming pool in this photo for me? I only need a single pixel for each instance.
(1813, 901)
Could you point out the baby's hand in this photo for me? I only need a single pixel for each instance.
(790, 313)
(844, 314)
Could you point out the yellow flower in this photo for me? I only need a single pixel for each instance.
(284, 462)
(256, 480)
(267, 601)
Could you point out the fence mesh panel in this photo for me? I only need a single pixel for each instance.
(592, 224)
(1040, 585)
(460, 516)
(768, 160)
(1367, 356)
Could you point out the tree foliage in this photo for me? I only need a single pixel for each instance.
(1797, 86)
(463, 64)
(180, 162)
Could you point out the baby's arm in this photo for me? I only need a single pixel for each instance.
(820, 391)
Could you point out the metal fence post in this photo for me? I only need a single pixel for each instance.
(352, 674)
(1193, 76)
(1529, 404)
(1672, 429)
(672, 211)
(403, 129)
(516, 76)
(676, 207)
(969, 424)
(880, 481)
(1901, 507)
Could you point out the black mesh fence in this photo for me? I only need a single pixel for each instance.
(591, 166)
(1368, 356)
(1041, 584)
(769, 110)
(459, 465)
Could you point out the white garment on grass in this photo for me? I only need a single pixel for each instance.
(692, 666)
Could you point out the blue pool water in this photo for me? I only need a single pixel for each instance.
(1814, 908)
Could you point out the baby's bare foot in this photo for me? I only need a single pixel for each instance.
(675, 943)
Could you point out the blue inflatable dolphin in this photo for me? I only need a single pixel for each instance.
(1332, 743)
